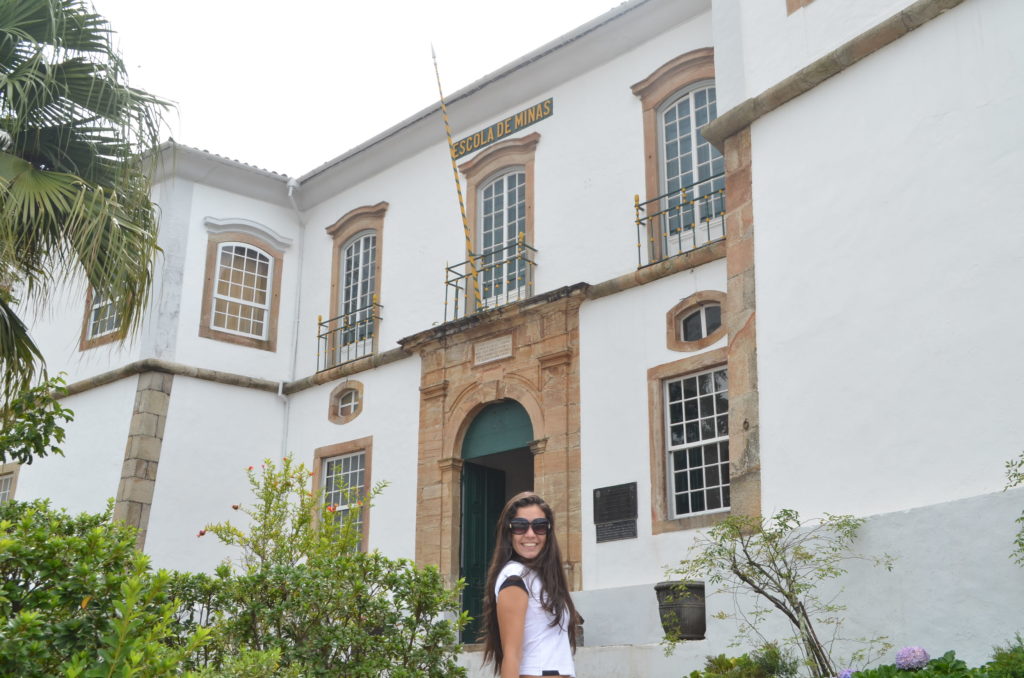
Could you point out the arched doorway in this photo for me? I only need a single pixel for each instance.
(496, 465)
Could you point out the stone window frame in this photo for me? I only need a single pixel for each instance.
(673, 321)
(656, 377)
(496, 160)
(206, 328)
(86, 341)
(10, 469)
(337, 393)
(364, 445)
(654, 91)
(354, 223)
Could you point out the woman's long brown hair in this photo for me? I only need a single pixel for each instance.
(555, 596)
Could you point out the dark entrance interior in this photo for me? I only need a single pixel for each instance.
(496, 465)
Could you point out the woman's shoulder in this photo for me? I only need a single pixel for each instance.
(512, 569)
(513, 574)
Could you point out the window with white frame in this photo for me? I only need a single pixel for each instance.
(697, 437)
(103, 317)
(6, 483)
(348, 402)
(502, 267)
(358, 288)
(241, 297)
(344, 484)
(702, 322)
(692, 171)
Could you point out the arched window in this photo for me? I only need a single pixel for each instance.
(346, 402)
(243, 286)
(241, 297)
(358, 276)
(685, 182)
(502, 223)
(696, 321)
(350, 331)
(692, 171)
(499, 200)
(702, 322)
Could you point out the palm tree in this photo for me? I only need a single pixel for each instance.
(74, 192)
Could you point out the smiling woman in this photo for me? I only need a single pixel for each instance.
(529, 618)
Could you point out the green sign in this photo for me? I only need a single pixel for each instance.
(503, 128)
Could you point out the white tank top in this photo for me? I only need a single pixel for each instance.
(545, 647)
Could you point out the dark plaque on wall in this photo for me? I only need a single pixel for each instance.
(615, 512)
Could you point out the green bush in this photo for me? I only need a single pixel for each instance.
(30, 424)
(1008, 661)
(134, 646)
(768, 661)
(60, 576)
(303, 588)
(251, 664)
(78, 599)
(946, 666)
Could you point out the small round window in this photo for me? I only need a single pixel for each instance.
(346, 402)
(702, 322)
(695, 322)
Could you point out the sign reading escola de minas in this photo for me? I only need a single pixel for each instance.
(503, 128)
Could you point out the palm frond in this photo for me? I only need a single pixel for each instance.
(20, 358)
(74, 196)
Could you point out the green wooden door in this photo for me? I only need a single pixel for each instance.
(483, 497)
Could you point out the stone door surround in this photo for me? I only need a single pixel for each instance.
(469, 364)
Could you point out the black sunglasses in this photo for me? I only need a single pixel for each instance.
(521, 525)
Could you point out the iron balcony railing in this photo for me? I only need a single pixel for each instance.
(680, 221)
(347, 337)
(502, 275)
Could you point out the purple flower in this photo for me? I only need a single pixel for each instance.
(912, 658)
(845, 673)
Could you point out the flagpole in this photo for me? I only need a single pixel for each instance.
(470, 259)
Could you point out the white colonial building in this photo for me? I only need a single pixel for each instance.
(810, 302)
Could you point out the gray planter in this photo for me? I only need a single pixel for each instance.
(681, 605)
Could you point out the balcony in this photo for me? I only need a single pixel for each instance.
(680, 221)
(347, 337)
(500, 276)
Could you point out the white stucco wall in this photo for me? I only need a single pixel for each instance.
(757, 44)
(213, 433)
(89, 472)
(57, 330)
(391, 416)
(220, 355)
(589, 164)
(621, 337)
(888, 259)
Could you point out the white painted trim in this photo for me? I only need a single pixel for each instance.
(249, 227)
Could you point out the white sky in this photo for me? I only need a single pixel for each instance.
(289, 84)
